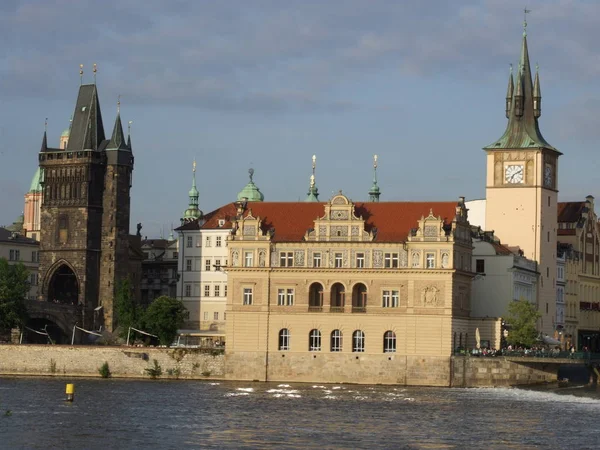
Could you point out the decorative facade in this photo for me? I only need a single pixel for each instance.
(344, 291)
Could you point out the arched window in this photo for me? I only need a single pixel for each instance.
(315, 297)
(359, 298)
(358, 341)
(314, 341)
(389, 342)
(336, 341)
(338, 296)
(284, 339)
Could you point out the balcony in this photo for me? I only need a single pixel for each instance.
(359, 309)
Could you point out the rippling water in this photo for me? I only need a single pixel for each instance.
(110, 414)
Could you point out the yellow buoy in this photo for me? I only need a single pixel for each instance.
(70, 392)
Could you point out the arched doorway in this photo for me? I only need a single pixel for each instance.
(34, 331)
(63, 287)
(359, 298)
(338, 297)
(315, 297)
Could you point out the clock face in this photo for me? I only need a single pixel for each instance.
(514, 173)
(548, 175)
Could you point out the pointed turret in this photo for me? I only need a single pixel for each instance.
(192, 212)
(87, 130)
(129, 135)
(117, 141)
(537, 94)
(509, 92)
(313, 192)
(44, 143)
(522, 130)
(375, 192)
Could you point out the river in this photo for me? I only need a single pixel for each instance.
(119, 414)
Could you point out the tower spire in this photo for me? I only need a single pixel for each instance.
(192, 212)
(375, 192)
(313, 192)
(129, 134)
(537, 94)
(117, 141)
(509, 92)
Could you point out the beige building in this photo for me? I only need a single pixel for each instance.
(16, 248)
(344, 291)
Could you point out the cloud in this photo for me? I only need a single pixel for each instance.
(270, 56)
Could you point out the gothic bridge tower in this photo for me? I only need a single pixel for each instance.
(84, 220)
(522, 184)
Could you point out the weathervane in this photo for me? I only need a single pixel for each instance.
(80, 73)
(194, 166)
(251, 172)
(46, 125)
(374, 161)
(525, 12)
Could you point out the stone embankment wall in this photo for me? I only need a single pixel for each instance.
(123, 362)
(499, 371)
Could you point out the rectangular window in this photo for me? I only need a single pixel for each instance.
(285, 297)
(34, 257)
(190, 242)
(548, 236)
(218, 241)
(339, 261)
(207, 241)
(32, 279)
(480, 265)
(188, 290)
(225, 291)
(248, 259)
(360, 260)
(216, 316)
(175, 255)
(286, 259)
(205, 315)
(217, 264)
(391, 298)
(247, 296)
(316, 259)
(430, 260)
(207, 290)
(188, 265)
(390, 260)
(207, 265)
(217, 290)
(547, 272)
(15, 255)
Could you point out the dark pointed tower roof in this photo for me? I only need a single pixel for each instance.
(522, 130)
(511, 84)
(117, 141)
(44, 143)
(87, 130)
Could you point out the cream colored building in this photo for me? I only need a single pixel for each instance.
(15, 248)
(344, 291)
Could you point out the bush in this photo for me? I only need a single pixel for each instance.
(164, 317)
(154, 372)
(104, 370)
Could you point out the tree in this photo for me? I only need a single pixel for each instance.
(14, 286)
(129, 314)
(522, 318)
(164, 317)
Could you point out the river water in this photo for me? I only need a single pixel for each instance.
(119, 414)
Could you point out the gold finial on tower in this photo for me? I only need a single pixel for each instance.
(375, 161)
(525, 12)
(95, 69)
(194, 166)
(80, 73)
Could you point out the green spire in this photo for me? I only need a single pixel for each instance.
(192, 212)
(251, 193)
(313, 192)
(374, 193)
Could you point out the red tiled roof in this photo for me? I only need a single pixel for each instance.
(501, 249)
(291, 220)
(570, 211)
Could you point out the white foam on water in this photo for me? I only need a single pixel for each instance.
(337, 387)
(282, 391)
(214, 384)
(327, 391)
(277, 395)
(360, 397)
(331, 397)
(536, 396)
(318, 387)
(283, 385)
(236, 394)
(245, 389)
(409, 399)
(294, 395)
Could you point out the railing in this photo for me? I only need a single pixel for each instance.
(359, 309)
(336, 309)
(315, 309)
(550, 354)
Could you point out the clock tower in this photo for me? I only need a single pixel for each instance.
(522, 185)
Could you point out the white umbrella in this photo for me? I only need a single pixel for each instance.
(477, 338)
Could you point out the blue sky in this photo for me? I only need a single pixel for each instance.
(267, 84)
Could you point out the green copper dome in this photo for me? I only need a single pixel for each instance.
(251, 192)
(66, 133)
(35, 182)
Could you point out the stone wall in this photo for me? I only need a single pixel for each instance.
(123, 362)
(502, 372)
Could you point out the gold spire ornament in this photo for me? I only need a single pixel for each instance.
(194, 166)
(375, 161)
(80, 73)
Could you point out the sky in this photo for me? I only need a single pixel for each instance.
(266, 84)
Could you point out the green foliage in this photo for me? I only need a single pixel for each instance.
(104, 370)
(14, 286)
(206, 373)
(129, 314)
(174, 372)
(154, 372)
(522, 318)
(164, 317)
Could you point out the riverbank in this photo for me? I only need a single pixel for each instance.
(196, 364)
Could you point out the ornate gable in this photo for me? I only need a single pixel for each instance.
(250, 228)
(339, 223)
